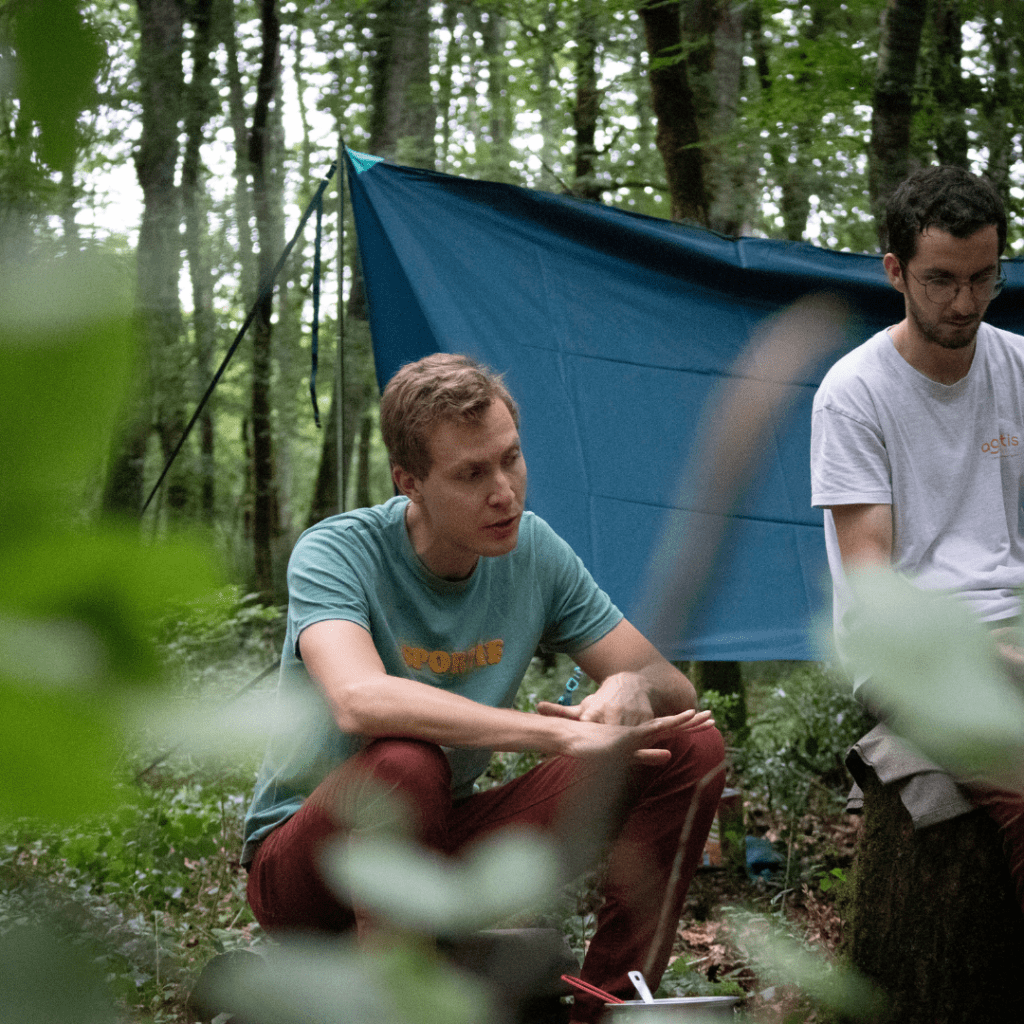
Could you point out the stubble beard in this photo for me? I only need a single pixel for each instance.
(951, 342)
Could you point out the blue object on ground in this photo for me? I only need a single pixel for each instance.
(762, 858)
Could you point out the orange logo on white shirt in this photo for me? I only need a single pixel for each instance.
(1005, 445)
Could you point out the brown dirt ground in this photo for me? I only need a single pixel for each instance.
(708, 940)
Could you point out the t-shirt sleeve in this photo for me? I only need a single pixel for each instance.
(579, 612)
(325, 581)
(849, 461)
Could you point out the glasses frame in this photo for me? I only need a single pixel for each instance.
(997, 286)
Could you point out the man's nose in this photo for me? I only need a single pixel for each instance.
(502, 491)
(965, 300)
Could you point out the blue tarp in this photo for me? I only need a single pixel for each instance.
(614, 330)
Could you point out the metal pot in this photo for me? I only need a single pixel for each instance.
(685, 1009)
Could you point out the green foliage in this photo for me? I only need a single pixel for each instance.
(74, 625)
(722, 706)
(544, 681)
(69, 988)
(680, 979)
(504, 875)
(798, 739)
(830, 879)
(58, 60)
(781, 955)
(146, 892)
(918, 648)
(223, 624)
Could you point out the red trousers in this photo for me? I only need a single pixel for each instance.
(1007, 810)
(657, 835)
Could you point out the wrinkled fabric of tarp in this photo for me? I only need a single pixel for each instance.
(615, 331)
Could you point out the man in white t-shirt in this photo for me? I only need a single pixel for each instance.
(917, 452)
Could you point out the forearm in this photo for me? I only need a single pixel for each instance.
(366, 701)
(395, 706)
(669, 690)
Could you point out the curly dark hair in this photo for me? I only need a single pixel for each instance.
(948, 198)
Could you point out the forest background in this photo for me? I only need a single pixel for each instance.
(763, 117)
(179, 141)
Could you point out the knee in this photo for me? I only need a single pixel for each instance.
(415, 779)
(406, 763)
(702, 751)
(708, 749)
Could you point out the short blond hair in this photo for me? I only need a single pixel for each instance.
(435, 389)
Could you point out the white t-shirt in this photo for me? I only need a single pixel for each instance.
(948, 458)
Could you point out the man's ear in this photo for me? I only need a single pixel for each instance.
(406, 483)
(894, 271)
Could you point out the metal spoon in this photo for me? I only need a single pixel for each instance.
(641, 986)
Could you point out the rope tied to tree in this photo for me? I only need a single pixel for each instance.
(265, 290)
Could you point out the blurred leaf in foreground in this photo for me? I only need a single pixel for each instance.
(334, 983)
(59, 59)
(45, 980)
(781, 960)
(935, 674)
(66, 356)
(79, 601)
(504, 875)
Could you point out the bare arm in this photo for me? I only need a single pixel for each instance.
(864, 533)
(367, 701)
(636, 682)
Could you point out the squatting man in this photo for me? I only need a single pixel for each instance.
(416, 620)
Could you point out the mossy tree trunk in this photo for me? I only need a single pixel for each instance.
(934, 922)
(726, 678)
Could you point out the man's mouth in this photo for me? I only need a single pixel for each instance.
(504, 524)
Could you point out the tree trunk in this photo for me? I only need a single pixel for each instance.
(713, 31)
(157, 257)
(791, 168)
(237, 120)
(998, 102)
(588, 104)
(948, 86)
(402, 118)
(161, 78)
(264, 524)
(678, 139)
(889, 151)
(200, 102)
(363, 474)
(500, 153)
(726, 678)
(934, 920)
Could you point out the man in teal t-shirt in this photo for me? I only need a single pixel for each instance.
(415, 622)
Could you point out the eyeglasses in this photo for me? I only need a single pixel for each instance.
(944, 289)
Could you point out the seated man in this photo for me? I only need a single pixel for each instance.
(917, 453)
(417, 620)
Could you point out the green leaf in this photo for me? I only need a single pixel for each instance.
(45, 979)
(504, 875)
(782, 960)
(59, 57)
(934, 669)
(58, 752)
(333, 983)
(66, 352)
(95, 594)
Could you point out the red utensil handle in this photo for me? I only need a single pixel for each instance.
(591, 990)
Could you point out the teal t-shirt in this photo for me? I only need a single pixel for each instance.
(474, 637)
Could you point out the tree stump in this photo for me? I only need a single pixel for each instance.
(934, 921)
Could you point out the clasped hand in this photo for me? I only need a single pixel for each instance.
(618, 720)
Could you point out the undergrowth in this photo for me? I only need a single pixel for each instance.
(155, 888)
